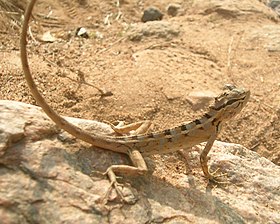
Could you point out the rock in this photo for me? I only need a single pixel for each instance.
(274, 3)
(151, 14)
(233, 8)
(82, 32)
(269, 35)
(173, 9)
(48, 180)
(200, 99)
(158, 29)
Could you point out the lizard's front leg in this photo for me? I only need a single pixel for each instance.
(204, 158)
(139, 168)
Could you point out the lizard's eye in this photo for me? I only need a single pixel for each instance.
(218, 98)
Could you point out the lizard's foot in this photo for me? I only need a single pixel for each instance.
(124, 192)
(214, 177)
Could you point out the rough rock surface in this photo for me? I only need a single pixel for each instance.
(49, 177)
(158, 29)
(233, 8)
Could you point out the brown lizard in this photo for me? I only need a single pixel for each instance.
(204, 129)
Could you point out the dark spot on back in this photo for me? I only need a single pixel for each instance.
(134, 137)
(184, 128)
(167, 132)
(169, 139)
(197, 122)
(207, 116)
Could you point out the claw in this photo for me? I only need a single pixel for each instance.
(116, 186)
(211, 176)
(128, 197)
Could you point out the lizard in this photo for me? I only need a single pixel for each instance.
(136, 146)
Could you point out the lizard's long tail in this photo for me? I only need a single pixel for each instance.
(93, 139)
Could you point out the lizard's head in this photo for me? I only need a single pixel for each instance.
(231, 102)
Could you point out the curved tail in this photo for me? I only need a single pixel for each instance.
(60, 121)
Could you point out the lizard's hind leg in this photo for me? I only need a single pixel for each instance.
(139, 168)
(140, 127)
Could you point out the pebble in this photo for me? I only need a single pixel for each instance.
(173, 9)
(274, 3)
(151, 14)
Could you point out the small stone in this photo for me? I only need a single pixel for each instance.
(173, 9)
(274, 4)
(82, 32)
(151, 14)
(47, 37)
(200, 99)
